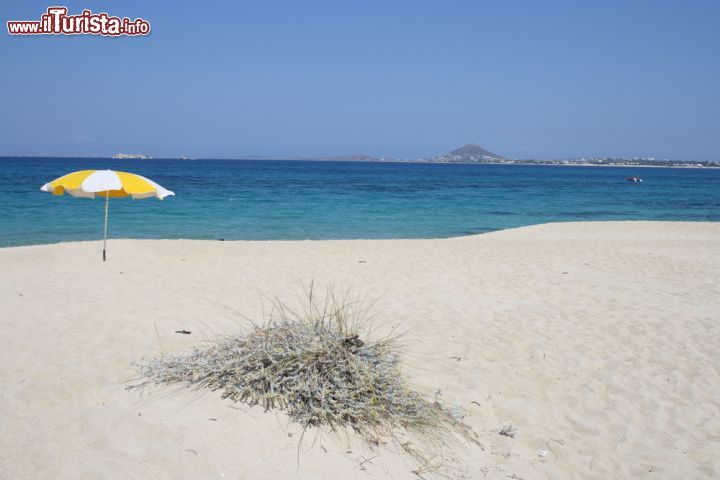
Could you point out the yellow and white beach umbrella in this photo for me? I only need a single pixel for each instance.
(106, 184)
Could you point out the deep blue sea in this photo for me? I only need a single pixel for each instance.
(270, 200)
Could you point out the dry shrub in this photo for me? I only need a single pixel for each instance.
(322, 368)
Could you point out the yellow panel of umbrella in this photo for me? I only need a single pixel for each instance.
(106, 184)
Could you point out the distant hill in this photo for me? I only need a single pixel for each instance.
(473, 149)
(471, 153)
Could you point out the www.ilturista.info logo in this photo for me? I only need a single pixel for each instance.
(57, 22)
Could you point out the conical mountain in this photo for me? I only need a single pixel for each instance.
(471, 153)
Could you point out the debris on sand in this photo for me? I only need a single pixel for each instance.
(508, 431)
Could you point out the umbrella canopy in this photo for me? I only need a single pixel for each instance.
(106, 184)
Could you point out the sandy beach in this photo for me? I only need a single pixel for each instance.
(598, 342)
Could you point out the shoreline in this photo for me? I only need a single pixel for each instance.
(472, 235)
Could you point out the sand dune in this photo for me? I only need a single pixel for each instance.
(597, 341)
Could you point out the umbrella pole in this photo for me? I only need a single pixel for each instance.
(107, 203)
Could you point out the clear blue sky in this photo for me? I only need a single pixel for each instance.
(390, 78)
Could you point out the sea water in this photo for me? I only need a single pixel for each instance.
(292, 200)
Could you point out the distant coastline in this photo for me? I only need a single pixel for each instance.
(539, 163)
(467, 154)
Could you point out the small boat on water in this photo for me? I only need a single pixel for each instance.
(634, 179)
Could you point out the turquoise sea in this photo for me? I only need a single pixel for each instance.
(269, 200)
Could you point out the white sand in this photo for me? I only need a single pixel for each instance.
(599, 342)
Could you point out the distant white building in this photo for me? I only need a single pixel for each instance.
(138, 156)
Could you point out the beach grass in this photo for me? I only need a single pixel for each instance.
(322, 366)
